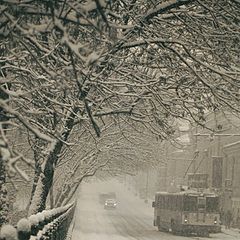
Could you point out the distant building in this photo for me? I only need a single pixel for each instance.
(218, 155)
(174, 162)
(231, 173)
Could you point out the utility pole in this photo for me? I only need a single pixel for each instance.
(195, 150)
(147, 176)
(165, 176)
(165, 167)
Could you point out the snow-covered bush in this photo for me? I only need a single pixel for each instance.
(8, 232)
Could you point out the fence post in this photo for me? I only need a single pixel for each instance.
(34, 222)
(24, 229)
(50, 224)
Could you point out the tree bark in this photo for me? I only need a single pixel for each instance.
(37, 168)
(3, 190)
(4, 152)
(45, 179)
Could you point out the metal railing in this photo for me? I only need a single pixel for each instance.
(49, 224)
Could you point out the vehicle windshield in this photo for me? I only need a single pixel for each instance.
(212, 204)
(201, 202)
(190, 203)
(111, 200)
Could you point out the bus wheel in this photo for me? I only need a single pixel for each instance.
(161, 229)
(206, 234)
(181, 233)
(203, 234)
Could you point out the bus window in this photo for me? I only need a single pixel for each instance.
(201, 202)
(166, 203)
(173, 203)
(179, 202)
(160, 202)
(170, 203)
(163, 201)
(176, 203)
(212, 204)
(190, 203)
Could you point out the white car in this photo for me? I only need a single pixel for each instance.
(110, 204)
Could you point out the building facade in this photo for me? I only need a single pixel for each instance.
(218, 155)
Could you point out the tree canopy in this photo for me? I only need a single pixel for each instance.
(68, 64)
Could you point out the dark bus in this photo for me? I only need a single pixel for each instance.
(187, 212)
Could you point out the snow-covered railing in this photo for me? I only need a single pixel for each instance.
(49, 224)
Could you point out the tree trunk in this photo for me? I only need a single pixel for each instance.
(45, 179)
(38, 158)
(3, 190)
(51, 197)
(4, 152)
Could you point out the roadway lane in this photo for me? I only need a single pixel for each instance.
(132, 220)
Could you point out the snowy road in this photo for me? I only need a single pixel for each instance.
(132, 220)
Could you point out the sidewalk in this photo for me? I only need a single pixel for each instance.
(232, 232)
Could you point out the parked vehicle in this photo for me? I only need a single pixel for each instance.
(187, 212)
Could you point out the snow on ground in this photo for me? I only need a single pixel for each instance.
(131, 220)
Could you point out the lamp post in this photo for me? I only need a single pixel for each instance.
(147, 179)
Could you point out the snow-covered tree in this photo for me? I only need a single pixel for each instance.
(75, 64)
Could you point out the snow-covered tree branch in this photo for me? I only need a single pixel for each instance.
(77, 67)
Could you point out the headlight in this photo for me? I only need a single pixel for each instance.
(185, 220)
(215, 222)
